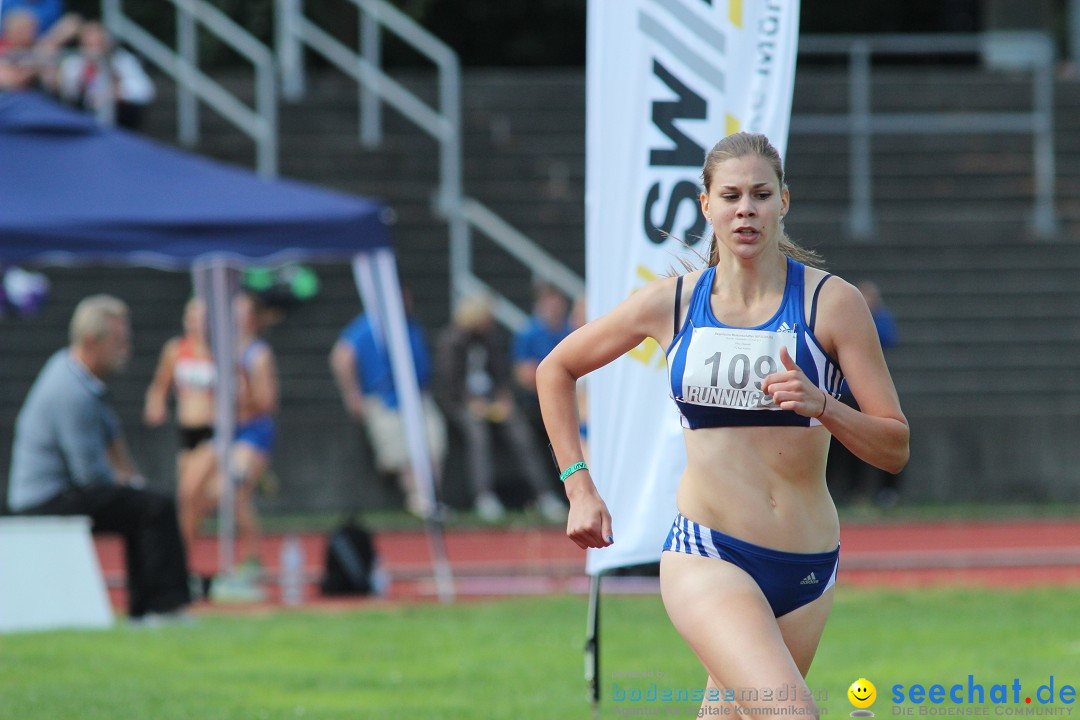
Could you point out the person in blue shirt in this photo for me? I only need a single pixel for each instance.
(884, 322)
(47, 12)
(27, 49)
(852, 479)
(549, 324)
(361, 368)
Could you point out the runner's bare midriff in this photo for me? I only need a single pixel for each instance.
(764, 485)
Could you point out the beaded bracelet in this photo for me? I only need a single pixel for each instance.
(572, 469)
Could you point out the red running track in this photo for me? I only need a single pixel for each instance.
(541, 560)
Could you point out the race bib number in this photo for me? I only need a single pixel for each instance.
(725, 367)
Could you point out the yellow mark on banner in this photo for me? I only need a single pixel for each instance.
(645, 274)
(647, 350)
(735, 13)
(731, 124)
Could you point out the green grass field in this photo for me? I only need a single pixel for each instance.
(517, 658)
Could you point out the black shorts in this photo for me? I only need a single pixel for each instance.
(192, 437)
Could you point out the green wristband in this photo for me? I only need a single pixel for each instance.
(572, 469)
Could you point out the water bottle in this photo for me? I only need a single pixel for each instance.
(380, 580)
(292, 571)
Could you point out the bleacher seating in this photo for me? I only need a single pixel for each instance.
(989, 317)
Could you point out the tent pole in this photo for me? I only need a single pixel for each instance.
(216, 283)
(377, 281)
(592, 645)
(444, 579)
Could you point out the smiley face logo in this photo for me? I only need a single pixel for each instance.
(862, 694)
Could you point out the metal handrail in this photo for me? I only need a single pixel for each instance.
(463, 214)
(443, 123)
(860, 122)
(260, 123)
(522, 247)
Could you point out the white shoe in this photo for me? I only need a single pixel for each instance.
(237, 587)
(167, 619)
(417, 505)
(552, 508)
(488, 507)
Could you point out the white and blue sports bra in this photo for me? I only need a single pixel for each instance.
(716, 370)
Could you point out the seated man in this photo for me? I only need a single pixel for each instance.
(69, 457)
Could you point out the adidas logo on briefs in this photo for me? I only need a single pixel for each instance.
(810, 579)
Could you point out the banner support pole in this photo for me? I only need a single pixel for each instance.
(592, 646)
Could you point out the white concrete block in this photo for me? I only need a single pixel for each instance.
(50, 576)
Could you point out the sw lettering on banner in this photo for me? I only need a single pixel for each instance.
(686, 153)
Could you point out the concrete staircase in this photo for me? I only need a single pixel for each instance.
(960, 188)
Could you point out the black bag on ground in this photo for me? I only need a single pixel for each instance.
(350, 560)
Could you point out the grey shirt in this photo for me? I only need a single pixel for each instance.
(61, 435)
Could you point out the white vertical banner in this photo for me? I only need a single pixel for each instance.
(665, 80)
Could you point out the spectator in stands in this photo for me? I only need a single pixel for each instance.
(18, 60)
(577, 319)
(549, 324)
(361, 367)
(475, 385)
(105, 79)
(27, 55)
(69, 457)
(187, 369)
(851, 478)
(46, 13)
(883, 317)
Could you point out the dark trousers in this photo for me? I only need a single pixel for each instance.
(157, 578)
(480, 447)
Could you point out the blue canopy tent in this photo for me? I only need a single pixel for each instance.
(74, 192)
